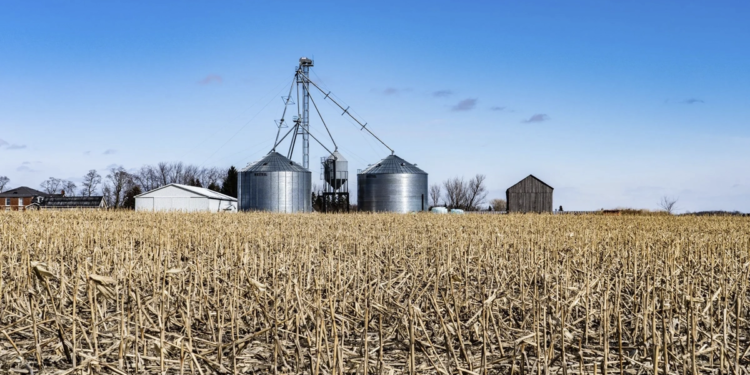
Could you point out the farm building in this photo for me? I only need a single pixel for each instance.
(177, 197)
(529, 195)
(55, 202)
(19, 198)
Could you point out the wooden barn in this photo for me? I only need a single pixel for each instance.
(529, 195)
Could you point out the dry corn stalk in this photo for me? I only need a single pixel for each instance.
(315, 294)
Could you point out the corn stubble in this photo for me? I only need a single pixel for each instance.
(119, 292)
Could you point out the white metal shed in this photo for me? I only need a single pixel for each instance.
(177, 197)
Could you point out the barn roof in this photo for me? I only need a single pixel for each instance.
(535, 178)
(210, 194)
(72, 202)
(22, 192)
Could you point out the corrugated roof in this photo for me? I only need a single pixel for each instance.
(274, 162)
(206, 192)
(393, 165)
(194, 189)
(72, 202)
(22, 191)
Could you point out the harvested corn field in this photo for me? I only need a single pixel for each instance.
(120, 292)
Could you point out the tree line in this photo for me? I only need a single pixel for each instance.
(119, 187)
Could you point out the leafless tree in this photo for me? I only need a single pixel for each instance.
(3, 183)
(476, 192)
(435, 191)
(164, 172)
(466, 195)
(117, 183)
(107, 193)
(90, 182)
(51, 185)
(499, 204)
(68, 188)
(668, 204)
(455, 192)
(177, 173)
(148, 178)
(212, 176)
(55, 186)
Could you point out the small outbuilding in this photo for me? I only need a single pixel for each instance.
(177, 197)
(529, 195)
(69, 203)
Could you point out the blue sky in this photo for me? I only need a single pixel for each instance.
(613, 103)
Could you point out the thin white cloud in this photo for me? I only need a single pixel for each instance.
(442, 93)
(110, 151)
(9, 146)
(391, 91)
(539, 117)
(464, 105)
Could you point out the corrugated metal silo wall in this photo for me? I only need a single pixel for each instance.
(284, 191)
(392, 192)
(529, 195)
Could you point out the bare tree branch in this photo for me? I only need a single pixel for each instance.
(91, 181)
(435, 191)
(51, 185)
(476, 192)
(668, 204)
(3, 183)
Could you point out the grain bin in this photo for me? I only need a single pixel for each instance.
(392, 185)
(275, 184)
(336, 170)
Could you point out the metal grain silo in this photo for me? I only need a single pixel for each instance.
(392, 185)
(275, 184)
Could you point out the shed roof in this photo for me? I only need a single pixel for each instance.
(22, 192)
(210, 194)
(72, 202)
(274, 162)
(393, 164)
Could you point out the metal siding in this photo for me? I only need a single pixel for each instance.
(281, 191)
(199, 204)
(336, 180)
(392, 192)
(144, 204)
(392, 185)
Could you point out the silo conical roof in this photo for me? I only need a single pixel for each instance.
(338, 156)
(393, 164)
(274, 162)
